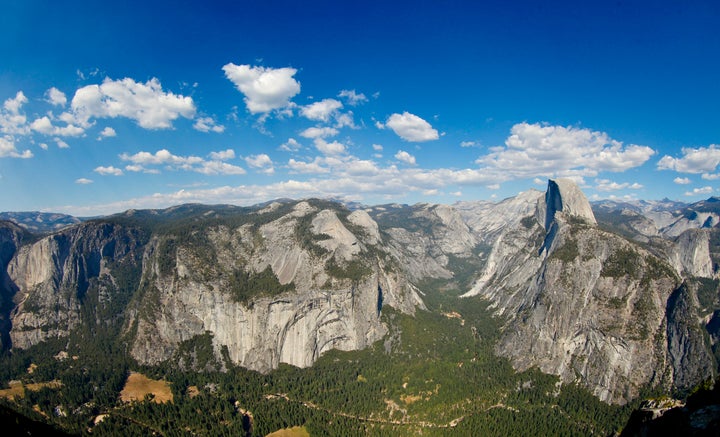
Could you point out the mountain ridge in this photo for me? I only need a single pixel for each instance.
(581, 302)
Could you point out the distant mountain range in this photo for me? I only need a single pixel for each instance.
(40, 222)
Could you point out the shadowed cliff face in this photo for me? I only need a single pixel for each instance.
(55, 277)
(11, 238)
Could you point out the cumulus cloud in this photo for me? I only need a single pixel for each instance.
(344, 119)
(161, 157)
(608, 185)
(537, 150)
(83, 181)
(291, 145)
(339, 176)
(146, 103)
(405, 157)
(43, 125)
(410, 127)
(711, 176)
(699, 191)
(14, 104)
(352, 97)
(334, 148)
(215, 166)
(223, 155)
(8, 149)
(307, 167)
(693, 160)
(218, 168)
(321, 111)
(11, 120)
(108, 171)
(261, 162)
(108, 132)
(61, 144)
(469, 144)
(207, 124)
(265, 89)
(55, 97)
(319, 132)
(377, 147)
(682, 181)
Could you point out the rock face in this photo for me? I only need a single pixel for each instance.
(424, 238)
(563, 195)
(280, 285)
(589, 305)
(11, 238)
(690, 357)
(56, 275)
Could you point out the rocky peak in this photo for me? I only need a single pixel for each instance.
(563, 195)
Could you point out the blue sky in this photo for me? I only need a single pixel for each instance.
(107, 106)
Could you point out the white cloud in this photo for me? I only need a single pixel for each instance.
(161, 157)
(218, 168)
(11, 120)
(536, 150)
(699, 191)
(333, 148)
(43, 146)
(345, 119)
(410, 127)
(223, 155)
(44, 125)
(164, 157)
(108, 171)
(264, 88)
(83, 181)
(321, 111)
(469, 144)
(340, 176)
(262, 162)
(405, 157)
(8, 149)
(710, 176)
(307, 167)
(61, 144)
(352, 98)
(682, 181)
(56, 97)
(207, 124)
(377, 147)
(700, 160)
(139, 168)
(107, 133)
(319, 132)
(147, 103)
(14, 104)
(608, 185)
(291, 145)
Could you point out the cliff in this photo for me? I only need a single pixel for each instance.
(282, 284)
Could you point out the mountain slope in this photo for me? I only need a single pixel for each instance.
(586, 304)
